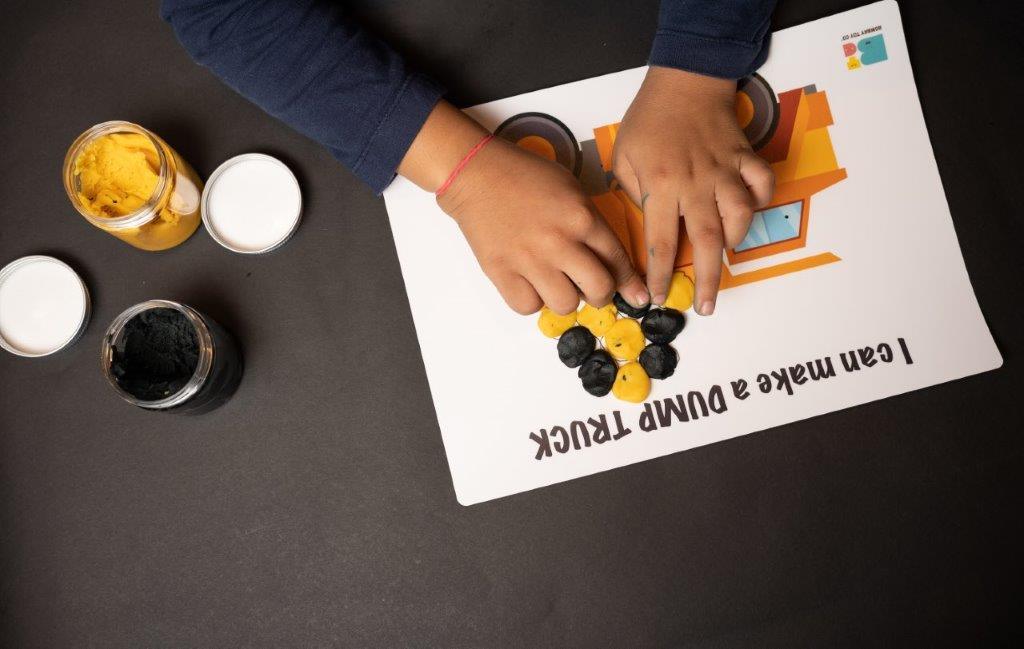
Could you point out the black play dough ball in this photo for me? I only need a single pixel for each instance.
(575, 345)
(659, 361)
(598, 373)
(626, 308)
(662, 325)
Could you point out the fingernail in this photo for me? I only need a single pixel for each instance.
(660, 298)
(707, 307)
(640, 298)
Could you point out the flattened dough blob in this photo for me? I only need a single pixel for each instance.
(659, 361)
(625, 340)
(661, 326)
(599, 321)
(597, 373)
(553, 325)
(632, 383)
(575, 345)
(680, 292)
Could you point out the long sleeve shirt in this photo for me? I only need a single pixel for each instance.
(310, 64)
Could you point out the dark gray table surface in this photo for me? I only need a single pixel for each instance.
(315, 509)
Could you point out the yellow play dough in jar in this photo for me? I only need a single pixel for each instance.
(117, 173)
(130, 183)
(632, 383)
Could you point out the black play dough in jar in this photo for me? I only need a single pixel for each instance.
(164, 355)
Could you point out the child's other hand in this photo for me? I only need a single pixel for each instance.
(680, 151)
(536, 234)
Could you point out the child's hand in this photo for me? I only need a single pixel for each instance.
(680, 151)
(536, 235)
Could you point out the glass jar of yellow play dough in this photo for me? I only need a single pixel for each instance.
(126, 181)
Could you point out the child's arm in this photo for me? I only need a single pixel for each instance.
(680, 150)
(306, 62)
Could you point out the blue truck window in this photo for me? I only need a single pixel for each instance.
(775, 224)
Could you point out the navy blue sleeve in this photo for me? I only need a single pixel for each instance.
(309, 64)
(719, 38)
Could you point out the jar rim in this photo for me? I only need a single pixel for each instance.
(139, 217)
(203, 366)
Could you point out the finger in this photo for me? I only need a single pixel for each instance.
(581, 265)
(559, 294)
(759, 178)
(735, 204)
(628, 182)
(609, 250)
(661, 236)
(518, 293)
(704, 229)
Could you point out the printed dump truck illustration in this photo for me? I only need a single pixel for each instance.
(790, 132)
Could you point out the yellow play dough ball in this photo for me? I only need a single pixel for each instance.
(624, 340)
(553, 325)
(680, 292)
(599, 321)
(632, 383)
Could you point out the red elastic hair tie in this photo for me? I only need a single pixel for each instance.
(462, 163)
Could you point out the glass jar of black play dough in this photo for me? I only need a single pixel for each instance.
(166, 356)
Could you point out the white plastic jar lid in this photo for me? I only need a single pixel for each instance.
(251, 203)
(44, 306)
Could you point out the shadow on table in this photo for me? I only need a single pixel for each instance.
(216, 302)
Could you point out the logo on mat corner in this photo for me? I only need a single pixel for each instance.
(864, 47)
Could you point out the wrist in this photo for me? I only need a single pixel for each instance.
(672, 83)
(475, 180)
(443, 142)
(462, 164)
